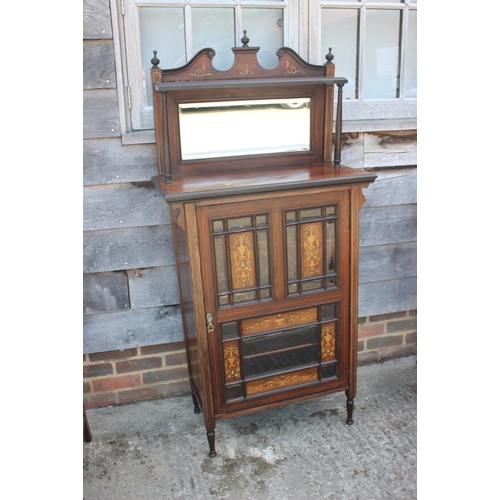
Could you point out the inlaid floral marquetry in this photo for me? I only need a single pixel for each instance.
(232, 363)
(247, 69)
(242, 259)
(279, 381)
(311, 255)
(280, 320)
(201, 72)
(328, 342)
(292, 70)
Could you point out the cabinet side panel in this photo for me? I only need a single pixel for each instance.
(186, 296)
(357, 200)
(197, 313)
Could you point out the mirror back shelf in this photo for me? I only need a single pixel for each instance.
(247, 117)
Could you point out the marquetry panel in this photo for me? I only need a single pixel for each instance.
(232, 362)
(242, 258)
(311, 251)
(281, 320)
(281, 381)
(328, 341)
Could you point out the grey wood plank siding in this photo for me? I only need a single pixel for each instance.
(100, 113)
(394, 148)
(108, 161)
(157, 286)
(127, 248)
(123, 330)
(382, 297)
(387, 262)
(96, 19)
(98, 64)
(130, 288)
(123, 205)
(105, 292)
(388, 244)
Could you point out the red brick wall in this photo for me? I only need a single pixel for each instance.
(387, 336)
(140, 373)
(118, 377)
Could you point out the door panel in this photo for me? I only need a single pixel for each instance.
(273, 282)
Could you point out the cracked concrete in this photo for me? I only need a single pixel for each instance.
(158, 449)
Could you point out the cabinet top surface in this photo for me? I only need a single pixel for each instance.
(230, 183)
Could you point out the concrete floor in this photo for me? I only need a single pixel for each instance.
(158, 449)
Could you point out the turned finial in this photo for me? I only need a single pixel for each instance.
(155, 61)
(329, 56)
(245, 39)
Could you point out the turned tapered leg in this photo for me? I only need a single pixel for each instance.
(211, 443)
(350, 408)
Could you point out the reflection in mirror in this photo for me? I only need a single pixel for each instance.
(235, 128)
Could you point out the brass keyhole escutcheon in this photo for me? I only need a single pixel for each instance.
(210, 326)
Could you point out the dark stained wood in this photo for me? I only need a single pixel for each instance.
(246, 67)
(254, 162)
(199, 81)
(216, 184)
(273, 187)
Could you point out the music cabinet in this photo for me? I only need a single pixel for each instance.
(265, 227)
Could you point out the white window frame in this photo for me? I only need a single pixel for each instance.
(138, 115)
(300, 18)
(396, 108)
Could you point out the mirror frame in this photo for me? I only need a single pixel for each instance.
(199, 81)
(313, 155)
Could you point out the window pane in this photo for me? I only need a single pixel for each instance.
(382, 53)
(339, 30)
(161, 30)
(214, 28)
(264, 29)
(411, 56)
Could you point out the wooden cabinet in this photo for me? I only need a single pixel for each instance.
(267, 256)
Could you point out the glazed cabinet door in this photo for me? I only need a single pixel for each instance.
(275, 280)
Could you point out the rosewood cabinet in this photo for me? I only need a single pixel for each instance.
(266, 242)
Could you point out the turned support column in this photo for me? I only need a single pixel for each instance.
(338, 128)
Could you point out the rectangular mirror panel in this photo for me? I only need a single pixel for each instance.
(249, 127)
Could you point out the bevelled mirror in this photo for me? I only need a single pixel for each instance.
(214, 129)
(247, 117)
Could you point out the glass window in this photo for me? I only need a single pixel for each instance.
(339, 30)
(206, 22)
(265, 25)
(374, 43)
(382, 54)
(161, 30)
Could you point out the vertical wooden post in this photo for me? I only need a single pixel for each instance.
(338, 128)
(159, 109)
(167, 173)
